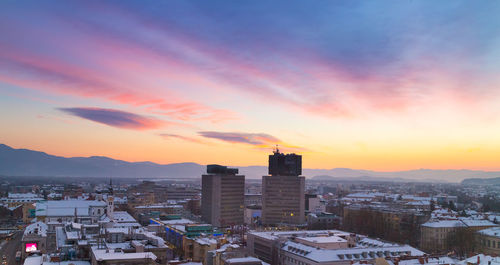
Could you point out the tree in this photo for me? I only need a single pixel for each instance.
(451, 206)
(462, 241)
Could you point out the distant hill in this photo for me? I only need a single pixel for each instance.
(24, 162)
(423, 175)
(482, 181)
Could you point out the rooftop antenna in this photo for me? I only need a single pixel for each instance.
(277, 151)
(111, 186)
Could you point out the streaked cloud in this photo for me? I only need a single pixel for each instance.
(182, 137)
(262, 141)
(116, 118)
(367, 58)
(245, 138)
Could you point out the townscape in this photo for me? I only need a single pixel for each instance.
(221, 218)
(249, 132)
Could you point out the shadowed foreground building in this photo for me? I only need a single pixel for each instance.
(442, 235)
(283, 191)
(222, 196)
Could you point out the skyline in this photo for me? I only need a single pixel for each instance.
(395, 86)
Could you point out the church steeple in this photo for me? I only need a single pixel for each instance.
(110, 188)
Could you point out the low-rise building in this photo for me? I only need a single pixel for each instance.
(489, 240)
(435, 233)
(117, 256)
(79, 211)
(266, 245)
(34, 239)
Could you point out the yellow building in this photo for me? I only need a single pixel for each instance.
(434, 234)
(489, 241)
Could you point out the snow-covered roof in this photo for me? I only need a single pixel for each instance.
(206, 241)
(67, 262)
(415, 198)
(22, 195)
(177, 222)
(483, 260)
(159, 206)
(106, 254)
(33, 260)
(366, 195)
(429, 261)
(276, 234)
(243, 260)
(38, 228)
(226, 246)
(66, 207)
(329, 255)
(494, 231)
(375, 243)
(123, 217)
(322, 239)
(125, 225)
(458, 223)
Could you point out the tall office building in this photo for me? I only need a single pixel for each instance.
(283, 191)
(222, 196)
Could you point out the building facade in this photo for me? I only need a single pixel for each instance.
(489, 241)
(283, 191)
(223, 196)
(435, 234)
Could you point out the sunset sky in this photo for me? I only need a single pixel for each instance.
(380, 85)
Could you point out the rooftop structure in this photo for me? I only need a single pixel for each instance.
(322, 247)
(66, 208)
(115, 255)
(317, 256)
(458, 223)
(285, 164)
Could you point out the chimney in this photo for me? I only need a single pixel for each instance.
(478, 259)
(426, 259)
(421, 260)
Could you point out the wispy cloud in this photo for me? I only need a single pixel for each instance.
(182, 137)
(262, 141)
(300, 56)
(116, 118)
(238, 137)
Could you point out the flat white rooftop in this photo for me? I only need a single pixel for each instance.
(323, 239)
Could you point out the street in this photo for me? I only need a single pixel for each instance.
(10, 248)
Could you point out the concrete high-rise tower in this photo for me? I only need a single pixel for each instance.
(283, 190)
(222, 196)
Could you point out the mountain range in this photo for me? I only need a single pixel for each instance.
(24, 162)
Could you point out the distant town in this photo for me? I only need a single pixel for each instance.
(222, 218)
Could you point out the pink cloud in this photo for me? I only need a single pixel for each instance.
(259, 140)
(52, 75)
(169, 136)
(117, 118)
